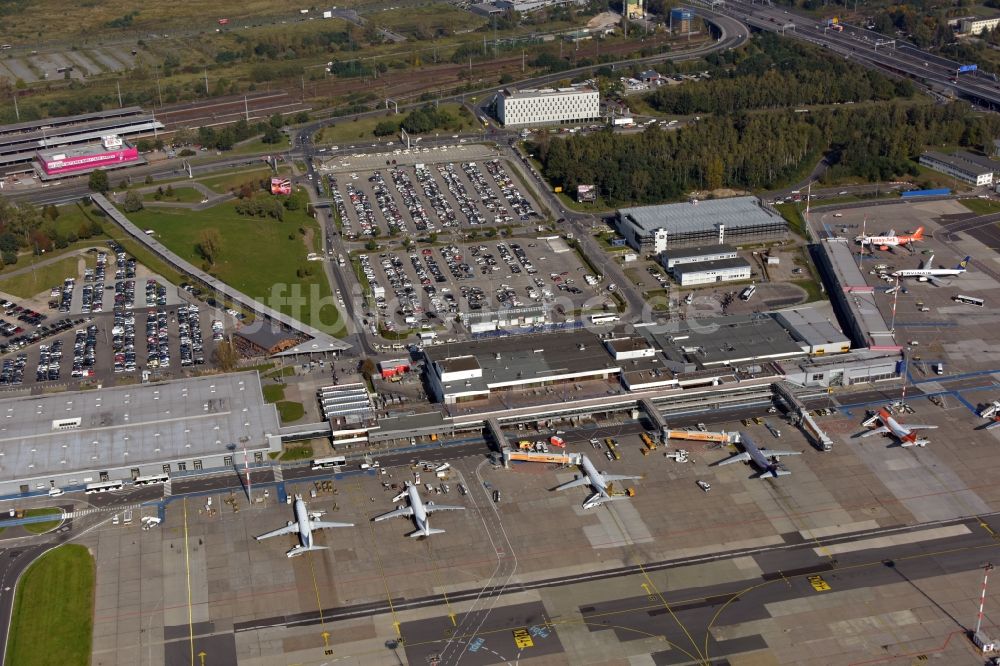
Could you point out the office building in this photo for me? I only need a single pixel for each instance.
(548, 106)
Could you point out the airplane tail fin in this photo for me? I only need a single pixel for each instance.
(964, 264)
(918, 234)
(418, 532)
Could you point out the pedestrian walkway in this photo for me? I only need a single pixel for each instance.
(89, 511)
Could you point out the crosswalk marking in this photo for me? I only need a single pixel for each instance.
(79, 513)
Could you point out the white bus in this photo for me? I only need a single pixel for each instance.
(104, 486)
(335, 462)
(152, 479)
(604, 318)
(969, 300)
(748, 293)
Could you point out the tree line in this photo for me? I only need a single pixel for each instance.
(758, 150)
(774, 73)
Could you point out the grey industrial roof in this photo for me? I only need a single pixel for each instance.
(76, 150)
(477, 316)
(130, 426)
(813, 325)
(733, 338)
(966, 161)
(514, 93)
(68, 120)
(458, 363)
(525, 358)
(628, 344)
(684, 253)
(861, 299)
(703, 266)
(700, 216)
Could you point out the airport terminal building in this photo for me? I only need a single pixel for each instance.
(70, 440)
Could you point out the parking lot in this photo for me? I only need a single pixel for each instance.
(429, 198)
(95, 338)
(430, 286)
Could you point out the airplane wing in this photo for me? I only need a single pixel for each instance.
(739, 457)
(287, 529)
(771, 453)
(619, 477)
(920, 427)
(432, 507)
(938, 282)
(877, 431)
(928, 262)
(582, 481)
(405, 511)
(324, 525)
(995, 424)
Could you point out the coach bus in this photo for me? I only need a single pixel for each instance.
(748, 293)
(604, 318)
(152, 479)
(969, 300)
(335, 462)
(104, 486)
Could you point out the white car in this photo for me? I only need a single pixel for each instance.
(704, 485)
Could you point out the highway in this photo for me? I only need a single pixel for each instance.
(874, 50)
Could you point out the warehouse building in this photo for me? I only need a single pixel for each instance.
(110, 153)
(468, 371)
(66, 440)
(656, 229)
(964, 166)
(815, 328)
(711, 272)
(972, 25)
(692, 255)
(483, 321)
(546, 106)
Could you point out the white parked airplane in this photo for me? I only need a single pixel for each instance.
(763, 459)
(599, 481)
(906, 434)
(891, 239)
(418, 510)
(305, 522)
(927, 272)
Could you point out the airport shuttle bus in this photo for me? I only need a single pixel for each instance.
(335, 462)
(604, 318)
(153, 479)
(969, 300)
(104, 486)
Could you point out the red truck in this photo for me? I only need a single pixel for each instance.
(223, 21)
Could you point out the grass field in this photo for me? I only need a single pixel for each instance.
(348, 131)
(297, 452)
(40, 528)
(274, 392)
(180, 193)
(52, 619)
(45, 277)
(981, 206)
(254, 146)
(427, 20)
(263, 258)
(226, 182)
(290, 411)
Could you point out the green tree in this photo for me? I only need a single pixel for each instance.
(209, 244)
(225, 356)
(98, 181)
(133, 202)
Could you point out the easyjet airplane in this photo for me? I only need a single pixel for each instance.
(891, 239)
